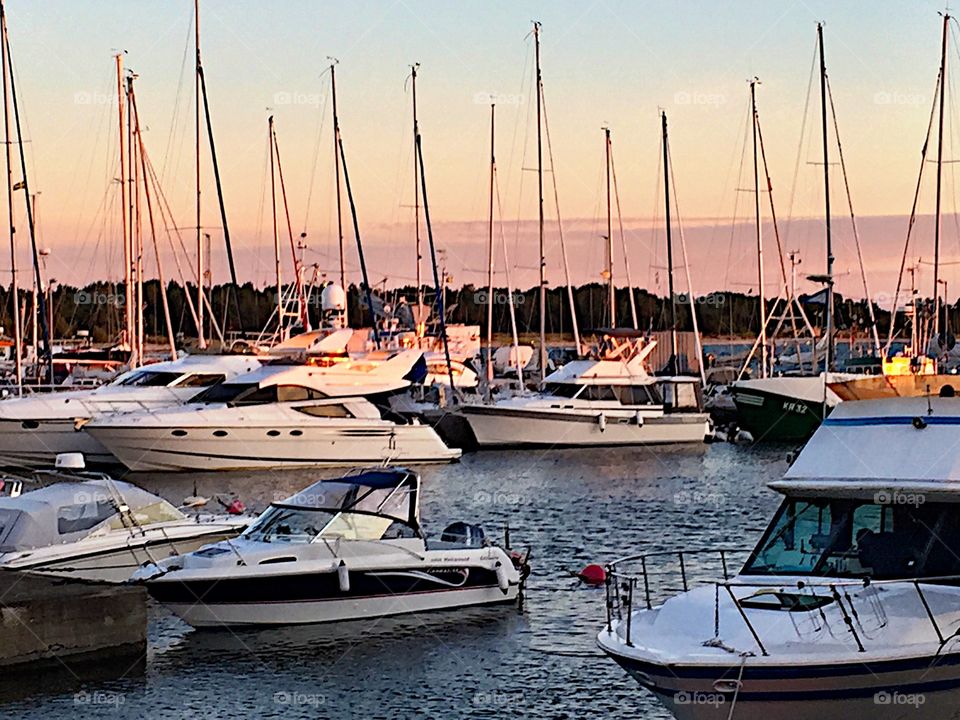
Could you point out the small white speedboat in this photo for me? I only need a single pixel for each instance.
(342, 549)
(91, 527)
(849, 606)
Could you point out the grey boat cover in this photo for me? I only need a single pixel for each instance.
(68, 511)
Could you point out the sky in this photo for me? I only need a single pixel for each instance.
(605, 63)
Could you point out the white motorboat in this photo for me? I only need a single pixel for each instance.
(88, 526)
(609, 401)
(35, 429)
(849, 606)
(280, 416)
(343, 549)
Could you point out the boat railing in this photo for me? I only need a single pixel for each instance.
(623, 586)
(654, 576)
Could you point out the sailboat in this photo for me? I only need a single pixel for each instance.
(608, 399)
(791, 408)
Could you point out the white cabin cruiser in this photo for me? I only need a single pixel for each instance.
(849, 606)
(343, 549)
(608, 401)
(88, 526)
(35, 429)
(280, 416)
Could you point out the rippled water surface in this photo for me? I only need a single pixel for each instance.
(571, 507)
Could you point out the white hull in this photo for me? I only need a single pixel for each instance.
(39, 446)
(147, 449)
(494, 427)
(110, 565)
(323, 611)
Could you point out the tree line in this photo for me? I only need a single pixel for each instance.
(99, 308)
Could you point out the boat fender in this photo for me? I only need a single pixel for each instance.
(919, 423)
(638, 418)
(593, 575)
(503, 582)
(602, 422)
(343, 575)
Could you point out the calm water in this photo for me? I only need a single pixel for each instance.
(572, 507)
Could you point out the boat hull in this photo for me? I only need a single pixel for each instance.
(318, 597)
(914, 687)
(149, 449)
(37, 443)
(507, 427)
(773, 417)
(116, 564)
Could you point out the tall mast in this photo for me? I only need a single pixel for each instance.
(134, 307)
(936, 227)
(124, 219)
(39, 296)
(543, 261)
(416, 181)
(672, 366)
(336, 160)
(493, 166)
(276, 233)
(201, 342)
(609, 251)
(14, 286)
(828, 361)
(764, 364)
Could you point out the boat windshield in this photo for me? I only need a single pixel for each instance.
(895, 536)
(252, 394)
(331, 510)
(307, 525)
(150, 378)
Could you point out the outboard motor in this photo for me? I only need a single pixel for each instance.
(463, 533)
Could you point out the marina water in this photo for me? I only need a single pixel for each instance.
(572, 507)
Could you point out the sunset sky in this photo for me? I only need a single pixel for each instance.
(604, 63)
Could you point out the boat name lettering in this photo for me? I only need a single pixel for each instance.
(795, 407)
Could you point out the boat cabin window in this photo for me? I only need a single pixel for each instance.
(201, 380)
(332, 411)
(637, 395)
(680, 395)
(564, 390)
(150, 378)
(599, 392)
(253, 394)
(83, 516)
(857, 539)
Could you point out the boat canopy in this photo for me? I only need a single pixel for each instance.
(70, 511)
(874, 444)
(388, 493)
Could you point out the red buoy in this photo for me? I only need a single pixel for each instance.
(593, 575)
